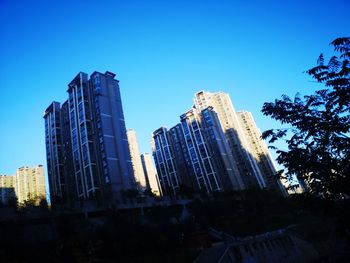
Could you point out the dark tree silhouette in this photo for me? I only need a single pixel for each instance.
(318, 132)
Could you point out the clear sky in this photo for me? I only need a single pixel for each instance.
(162, 52)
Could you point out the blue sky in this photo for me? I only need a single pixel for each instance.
(162, 52)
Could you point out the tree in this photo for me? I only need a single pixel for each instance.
(318, 132)
(43, 204)
(13, 201)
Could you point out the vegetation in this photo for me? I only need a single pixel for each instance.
(318, 125)
(163, 234)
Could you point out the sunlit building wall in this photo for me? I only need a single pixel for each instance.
(238, 143)
(200, 154)
(217, 145)
(151, 174)
(30, 183)
(136, 160)
(260, 152)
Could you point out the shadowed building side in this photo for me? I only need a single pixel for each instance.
(238, 143)
(54, 158)
(201, 160)
(260, 152)
(7, 189)
(112, 143)
(69, 190)
(200, 154)
(87, 178)
(218, 146)
(210, 150)
(164, 161)
(182, 159)
(93, 150)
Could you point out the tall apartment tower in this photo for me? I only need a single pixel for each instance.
(201, 160)
(27, 184)
(53, 141)
(213, 148)
(109, 124)
(200, 154)
(217, 144)
(90, 157)
(151, 174)
(164, 160)
(7, 189)
(136, 160)
(182, 159)
(259, 151)
(238, 142)
(30, 183)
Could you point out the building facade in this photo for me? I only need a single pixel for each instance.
(200, 154)
(217, 144)
(151, 174)
(164, 161)
(212, 149)
(136, 161)
(260, 152)
(201, 160)
(53, 142)
(30, 183)
(92, 159)
(7, 189)
(238, 142)
(27, 184)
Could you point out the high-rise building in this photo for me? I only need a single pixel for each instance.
(164, 160)
(54, 156)
(69, 186)
(27, 184)
(236, 138)
(90, 158)
(7, 188)
(202, 161)
(151, 174)
(201, 156)
(182, 160)
(30, 183)
(217, 144)
(259, 151)
(213, 149)
(136, 160)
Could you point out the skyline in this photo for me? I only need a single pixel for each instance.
(172, 50)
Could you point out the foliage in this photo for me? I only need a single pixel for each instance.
(13, 201)
(127, 235)
(131, 194)
(43, 204)
(318, 129)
